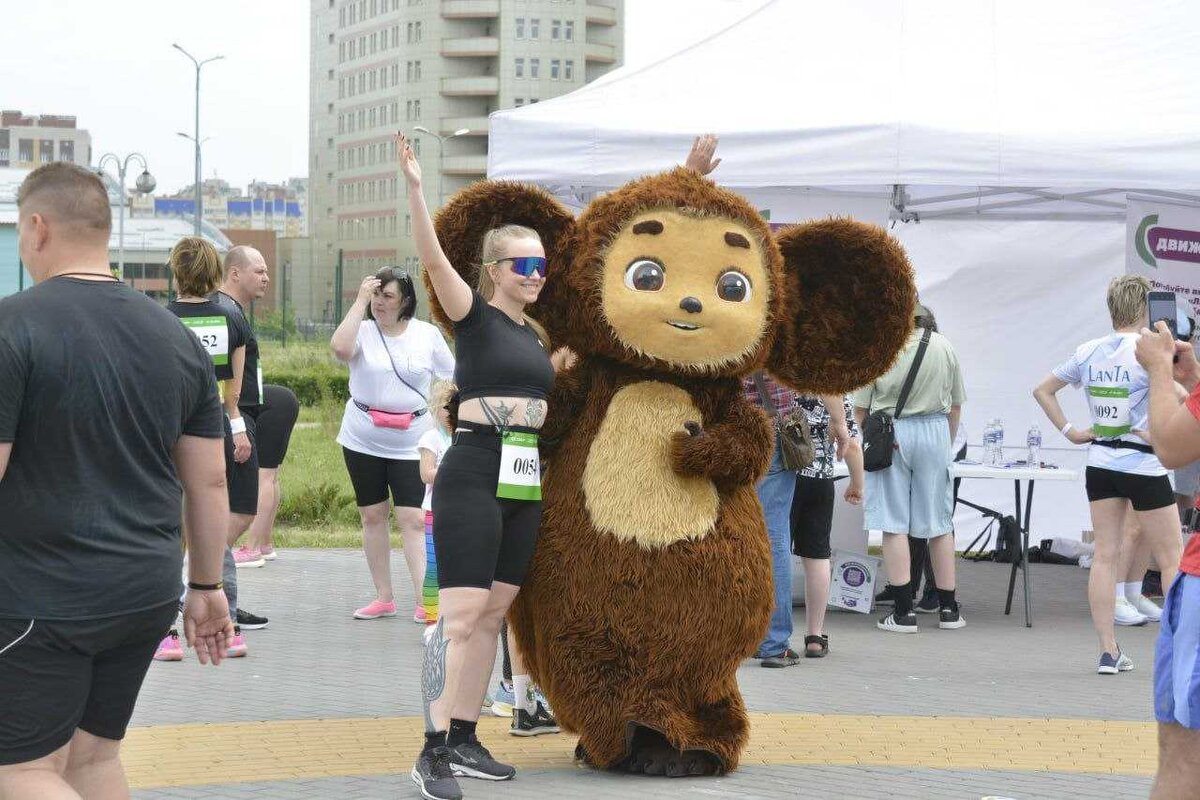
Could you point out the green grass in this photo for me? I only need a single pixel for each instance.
(297, 356)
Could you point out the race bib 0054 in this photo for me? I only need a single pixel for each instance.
(1110, 410)
(520, 467)
(213, 334)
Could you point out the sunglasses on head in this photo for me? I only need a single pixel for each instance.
(524, 265)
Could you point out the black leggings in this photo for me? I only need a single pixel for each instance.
(276, 419)
(478, 537)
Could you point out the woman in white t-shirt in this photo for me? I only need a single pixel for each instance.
(393, 360)
(1122, 466)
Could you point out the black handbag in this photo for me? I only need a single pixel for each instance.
(879, 432)
(796, 449)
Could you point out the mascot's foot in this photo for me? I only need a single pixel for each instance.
(651, 754)
(582, 756)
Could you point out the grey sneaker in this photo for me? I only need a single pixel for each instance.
(1111, 665)
(433, 776)
(788, 658)
(472, 760)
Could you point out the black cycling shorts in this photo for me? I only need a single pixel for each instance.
(276, 419)
(812, 517)
(479, 538)
(242, 479)
(1144, 492)
(372, 477)
(59, 676)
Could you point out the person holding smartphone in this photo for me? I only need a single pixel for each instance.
(1122, 466)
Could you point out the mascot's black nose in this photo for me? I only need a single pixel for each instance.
(691, 305)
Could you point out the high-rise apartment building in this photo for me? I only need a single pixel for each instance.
(30, 141)
(378, 66)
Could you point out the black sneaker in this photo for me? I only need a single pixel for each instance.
(901, 624)
(929, 604)
(886, 596)
(250, 622)
(433, 776)
(535, 724)
(472, 760)
(951, 618)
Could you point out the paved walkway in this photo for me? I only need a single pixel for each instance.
(326, 707)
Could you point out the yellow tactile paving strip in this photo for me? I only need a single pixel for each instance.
(247, 752)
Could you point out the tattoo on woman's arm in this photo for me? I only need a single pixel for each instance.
(535, 413)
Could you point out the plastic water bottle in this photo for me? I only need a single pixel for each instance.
(999, 436)
(1033, 441)
(989, 442)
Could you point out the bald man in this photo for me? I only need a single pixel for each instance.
(108, 408)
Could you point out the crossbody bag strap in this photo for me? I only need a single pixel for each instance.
(392, 361)
(912, 373)
(761, 384)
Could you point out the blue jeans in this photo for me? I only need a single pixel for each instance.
(775, 492)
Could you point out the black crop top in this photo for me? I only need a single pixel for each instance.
(496, 357)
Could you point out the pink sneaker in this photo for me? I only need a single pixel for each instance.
(268, 553)
(238, 648)
(376, 609)
(245, 557)
(419, 615)
(170, 648)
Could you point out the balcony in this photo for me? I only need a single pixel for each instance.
(600, 15)
(464, 165)
(470, 9)
(471, 86)
(600, 53)
(471, 46)
(477, 125)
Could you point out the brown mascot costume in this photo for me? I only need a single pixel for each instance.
(652, 576)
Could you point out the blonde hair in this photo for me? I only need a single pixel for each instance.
(1127, 300)
(439, 397)
(196, 266)
(493, 248)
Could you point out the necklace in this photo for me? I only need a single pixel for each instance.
(93, 275)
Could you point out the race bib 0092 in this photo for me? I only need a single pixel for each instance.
(1110, 410)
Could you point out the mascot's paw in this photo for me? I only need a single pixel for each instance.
(689, 451)
(652, 754)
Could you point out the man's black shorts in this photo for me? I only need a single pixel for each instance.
(59, 676)
(1144, 492)
(242, 479)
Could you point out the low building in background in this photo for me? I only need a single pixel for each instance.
(30, 141)
(278, 207)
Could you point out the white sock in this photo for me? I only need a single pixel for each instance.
(523, 694)
(1120, 590)
(1133, 588)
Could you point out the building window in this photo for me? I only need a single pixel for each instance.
(66, 151)
(534, 22)
(532, 100)
(374, 42)
(341, 123)
(519, 68)
(408, 33)
(353, 14)
(520, 27)
(341, 159)
(395, 112)
(342, 18)
(569, 30)
(395, 36)
(330, 74)
(393, 188)
(341, 52)
(408, 72)
(418, 31)
(418, 70)
(341, 194)
(372, 122)
(555, 29)
(329, 143)
(362, 45)
(374, 7)
(520, 101)
(535, 65)
(372, 81)
(568, 70)
(408, 225)
(341, 89)
(362, 119)
(371, 192)
(554, 69)
(362, 82)
(331, 38)
(395, 74)
(416, 109)
(329, 108)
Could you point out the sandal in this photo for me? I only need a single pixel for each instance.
(822, 641)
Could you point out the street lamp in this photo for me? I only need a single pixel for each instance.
(199, 212)
(441, 140)
(144, 184)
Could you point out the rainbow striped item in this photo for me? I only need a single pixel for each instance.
(429, 590)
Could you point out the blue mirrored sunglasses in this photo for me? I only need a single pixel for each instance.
(524, 265)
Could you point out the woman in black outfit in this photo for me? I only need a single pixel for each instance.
(485, 519)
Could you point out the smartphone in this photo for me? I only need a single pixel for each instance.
(1162, 308)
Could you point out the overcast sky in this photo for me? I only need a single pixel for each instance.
(110, 63)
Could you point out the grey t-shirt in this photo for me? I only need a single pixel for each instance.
(97, 384)
(938, 384)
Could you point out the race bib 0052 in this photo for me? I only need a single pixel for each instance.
(1110, 410)
(520, 467)
(213, 334)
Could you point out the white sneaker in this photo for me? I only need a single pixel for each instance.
(1145, 606)
(1127, 614)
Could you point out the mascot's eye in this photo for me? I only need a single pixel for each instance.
(734, 287)
(645, 275)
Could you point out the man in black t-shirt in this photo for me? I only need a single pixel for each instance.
(108, 408)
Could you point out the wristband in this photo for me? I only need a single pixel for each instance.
(237, 425)
(1066, 428)
(206, 587)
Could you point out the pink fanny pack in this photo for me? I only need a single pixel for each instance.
(400, 420)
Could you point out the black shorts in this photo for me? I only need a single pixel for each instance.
(276, 419)
(812, 517)
(242, 479)
(479, 538)
(85, 674)
(372, 476)
(1144, 492)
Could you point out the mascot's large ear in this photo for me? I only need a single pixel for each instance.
(465, 220)
(849, 297)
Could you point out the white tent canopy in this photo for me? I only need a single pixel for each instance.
(994, 106)
(1010, 129)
